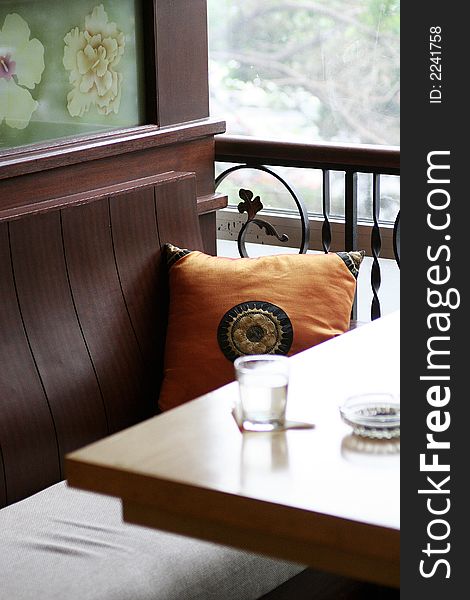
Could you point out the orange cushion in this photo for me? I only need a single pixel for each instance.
(221, 308)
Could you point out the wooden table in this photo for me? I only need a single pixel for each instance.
(321, 497)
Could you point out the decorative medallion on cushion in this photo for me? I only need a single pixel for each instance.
(254, 328)
(222, 308)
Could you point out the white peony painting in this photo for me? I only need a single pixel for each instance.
(69, 67)
(91, 56)
(21, 68)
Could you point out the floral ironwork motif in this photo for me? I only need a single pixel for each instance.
(249, 205)
(91, 56)
(21, 68)
(252, 206)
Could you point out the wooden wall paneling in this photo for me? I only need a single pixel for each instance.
(181, 60)
(54, 333)
(102, 311)
(177, 214)
(27, 434)
(139, 264)
(3, 481)
(20, 194)
(207, 223)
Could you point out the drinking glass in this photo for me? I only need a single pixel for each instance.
(263, 382)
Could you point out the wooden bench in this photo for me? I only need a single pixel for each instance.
(83, 315)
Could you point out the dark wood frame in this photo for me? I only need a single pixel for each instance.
(178, 136)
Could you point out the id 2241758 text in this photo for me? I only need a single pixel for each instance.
(435, 66)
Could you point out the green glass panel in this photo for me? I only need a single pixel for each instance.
(69, 68)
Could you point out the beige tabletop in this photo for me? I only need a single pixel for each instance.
(321, 497)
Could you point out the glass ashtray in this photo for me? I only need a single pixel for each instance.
(375, 415)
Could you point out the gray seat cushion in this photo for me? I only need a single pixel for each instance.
(67, 544)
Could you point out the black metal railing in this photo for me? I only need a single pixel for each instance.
(251, 153)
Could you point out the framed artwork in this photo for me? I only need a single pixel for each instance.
(99, 93)
(69, 68)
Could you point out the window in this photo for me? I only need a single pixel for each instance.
(306, 70)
